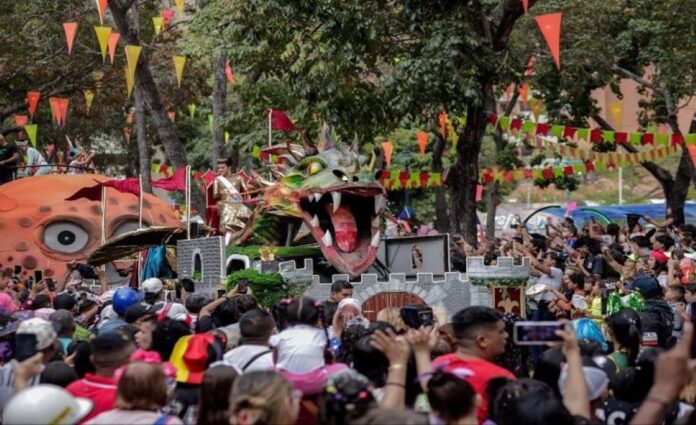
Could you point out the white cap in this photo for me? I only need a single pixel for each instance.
(45, 404)
(152, 285)
(349, 302)
(43, 329)
(596, 379)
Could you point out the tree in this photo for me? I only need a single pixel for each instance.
(604, 42)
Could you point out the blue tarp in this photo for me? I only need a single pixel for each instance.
(618, 212)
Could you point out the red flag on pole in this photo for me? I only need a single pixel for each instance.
(93, 193)
(280, 121)
(176, 182)
(550, 26)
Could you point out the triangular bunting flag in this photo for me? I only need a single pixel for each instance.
(101, 8)
(192, 110)
(113, 42)
(132, 54)
(89, 97)
(179, 62)
(31, 130)
(550, 26)
(70, 29)
(158, 22)
(33, 101)
(103, 34)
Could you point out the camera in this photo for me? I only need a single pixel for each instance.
(416, 316)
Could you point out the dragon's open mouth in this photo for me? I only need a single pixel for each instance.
(345, 221)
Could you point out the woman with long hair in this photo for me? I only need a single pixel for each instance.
(624, 328)
(263, 398)
(214, 400)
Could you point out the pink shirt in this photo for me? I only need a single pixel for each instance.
(7, 303)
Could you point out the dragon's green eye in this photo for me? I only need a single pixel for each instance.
(314, 167)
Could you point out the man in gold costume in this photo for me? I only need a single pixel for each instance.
(227, 190)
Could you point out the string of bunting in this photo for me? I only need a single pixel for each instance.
(591, 135)
(398, 180)
(496, 174)
(606, 158)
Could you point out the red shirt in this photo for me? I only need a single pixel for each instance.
(476, 372)
(101, 390)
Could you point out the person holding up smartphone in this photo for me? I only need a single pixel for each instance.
(35, 343)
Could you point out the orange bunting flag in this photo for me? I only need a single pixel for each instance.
(113, 42)
(129, 119)
(523, 90)
(442, 121)
(33, 101)
(127, 135)
(21, 120)
(101, 7)
(616, 109)
(179, 4)
(132, 54)
(89, 97)
(171, 115)
(229, 72)
(692, 153)
(55, 110)
(130, 82)
(63, 105)
(70, 29)
(550, 26)
(525, 6)
(388, 147)
(179, 62)
(422, 137)
(103, 34)
(158, 23)
(167, 15)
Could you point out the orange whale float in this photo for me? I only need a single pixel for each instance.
(39, 229)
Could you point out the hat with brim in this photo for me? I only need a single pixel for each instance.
(193, 354)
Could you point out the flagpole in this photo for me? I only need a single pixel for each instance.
(103, 218)
(270, 132)
(140, 209)
(188, 202)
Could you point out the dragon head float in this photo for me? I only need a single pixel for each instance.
(329, 192)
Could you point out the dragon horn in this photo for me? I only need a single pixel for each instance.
(292, 154)
(373, 160)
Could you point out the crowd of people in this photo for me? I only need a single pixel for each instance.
(19, 159)
(74, 354)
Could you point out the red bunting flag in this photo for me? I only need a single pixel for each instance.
(280, 121)
(515, 124)
(523, 90)
(479, 192)
(589, 167)
(424, 178)
(648, 138)
(493, 119)
(550, 26)
(176, 181)
(621, 138)
(568, 170)
(33, 101)
(404, 176)
(569, 132)
(55, 110)
(167, 15)
(543, 129)
(677, 139)
(70, 29)
(548, 173)
(528, 173)
(596, 135)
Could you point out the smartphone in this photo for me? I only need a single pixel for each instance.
(38, 276)
(25, 346)
(416, 316)
(242, 286)
(536, 333)
(17, 269)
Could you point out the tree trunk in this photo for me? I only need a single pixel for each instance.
(441, 215)
(463, 176)
(143, 76)
(491, 208)
(144, 159)
(219, 100)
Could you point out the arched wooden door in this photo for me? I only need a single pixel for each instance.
(378, 302)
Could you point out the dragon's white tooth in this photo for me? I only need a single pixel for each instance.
(327, 240)
(379, 201)
(317, 197)
(315, 221)
(336, 196)
(375, 239)
(375, 221)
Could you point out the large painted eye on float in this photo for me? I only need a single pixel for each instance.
(126, 226)
(65, 236)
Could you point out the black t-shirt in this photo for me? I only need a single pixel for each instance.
(6, 152)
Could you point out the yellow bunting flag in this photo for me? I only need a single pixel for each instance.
(179, 62)
(616, 109)
(132, 54)
(130, 81)
(158, 22)
(227, 136)
(537, 106)
(103, 34)
(192, 109)
(89, 97)
(179, 7)
(31, 130)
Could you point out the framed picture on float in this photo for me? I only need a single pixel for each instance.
(509, 299)
(417, 254)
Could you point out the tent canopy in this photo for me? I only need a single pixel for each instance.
(616, 212)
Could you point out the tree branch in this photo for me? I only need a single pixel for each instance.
(669, 103)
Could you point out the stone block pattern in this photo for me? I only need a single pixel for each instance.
(211, 250)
